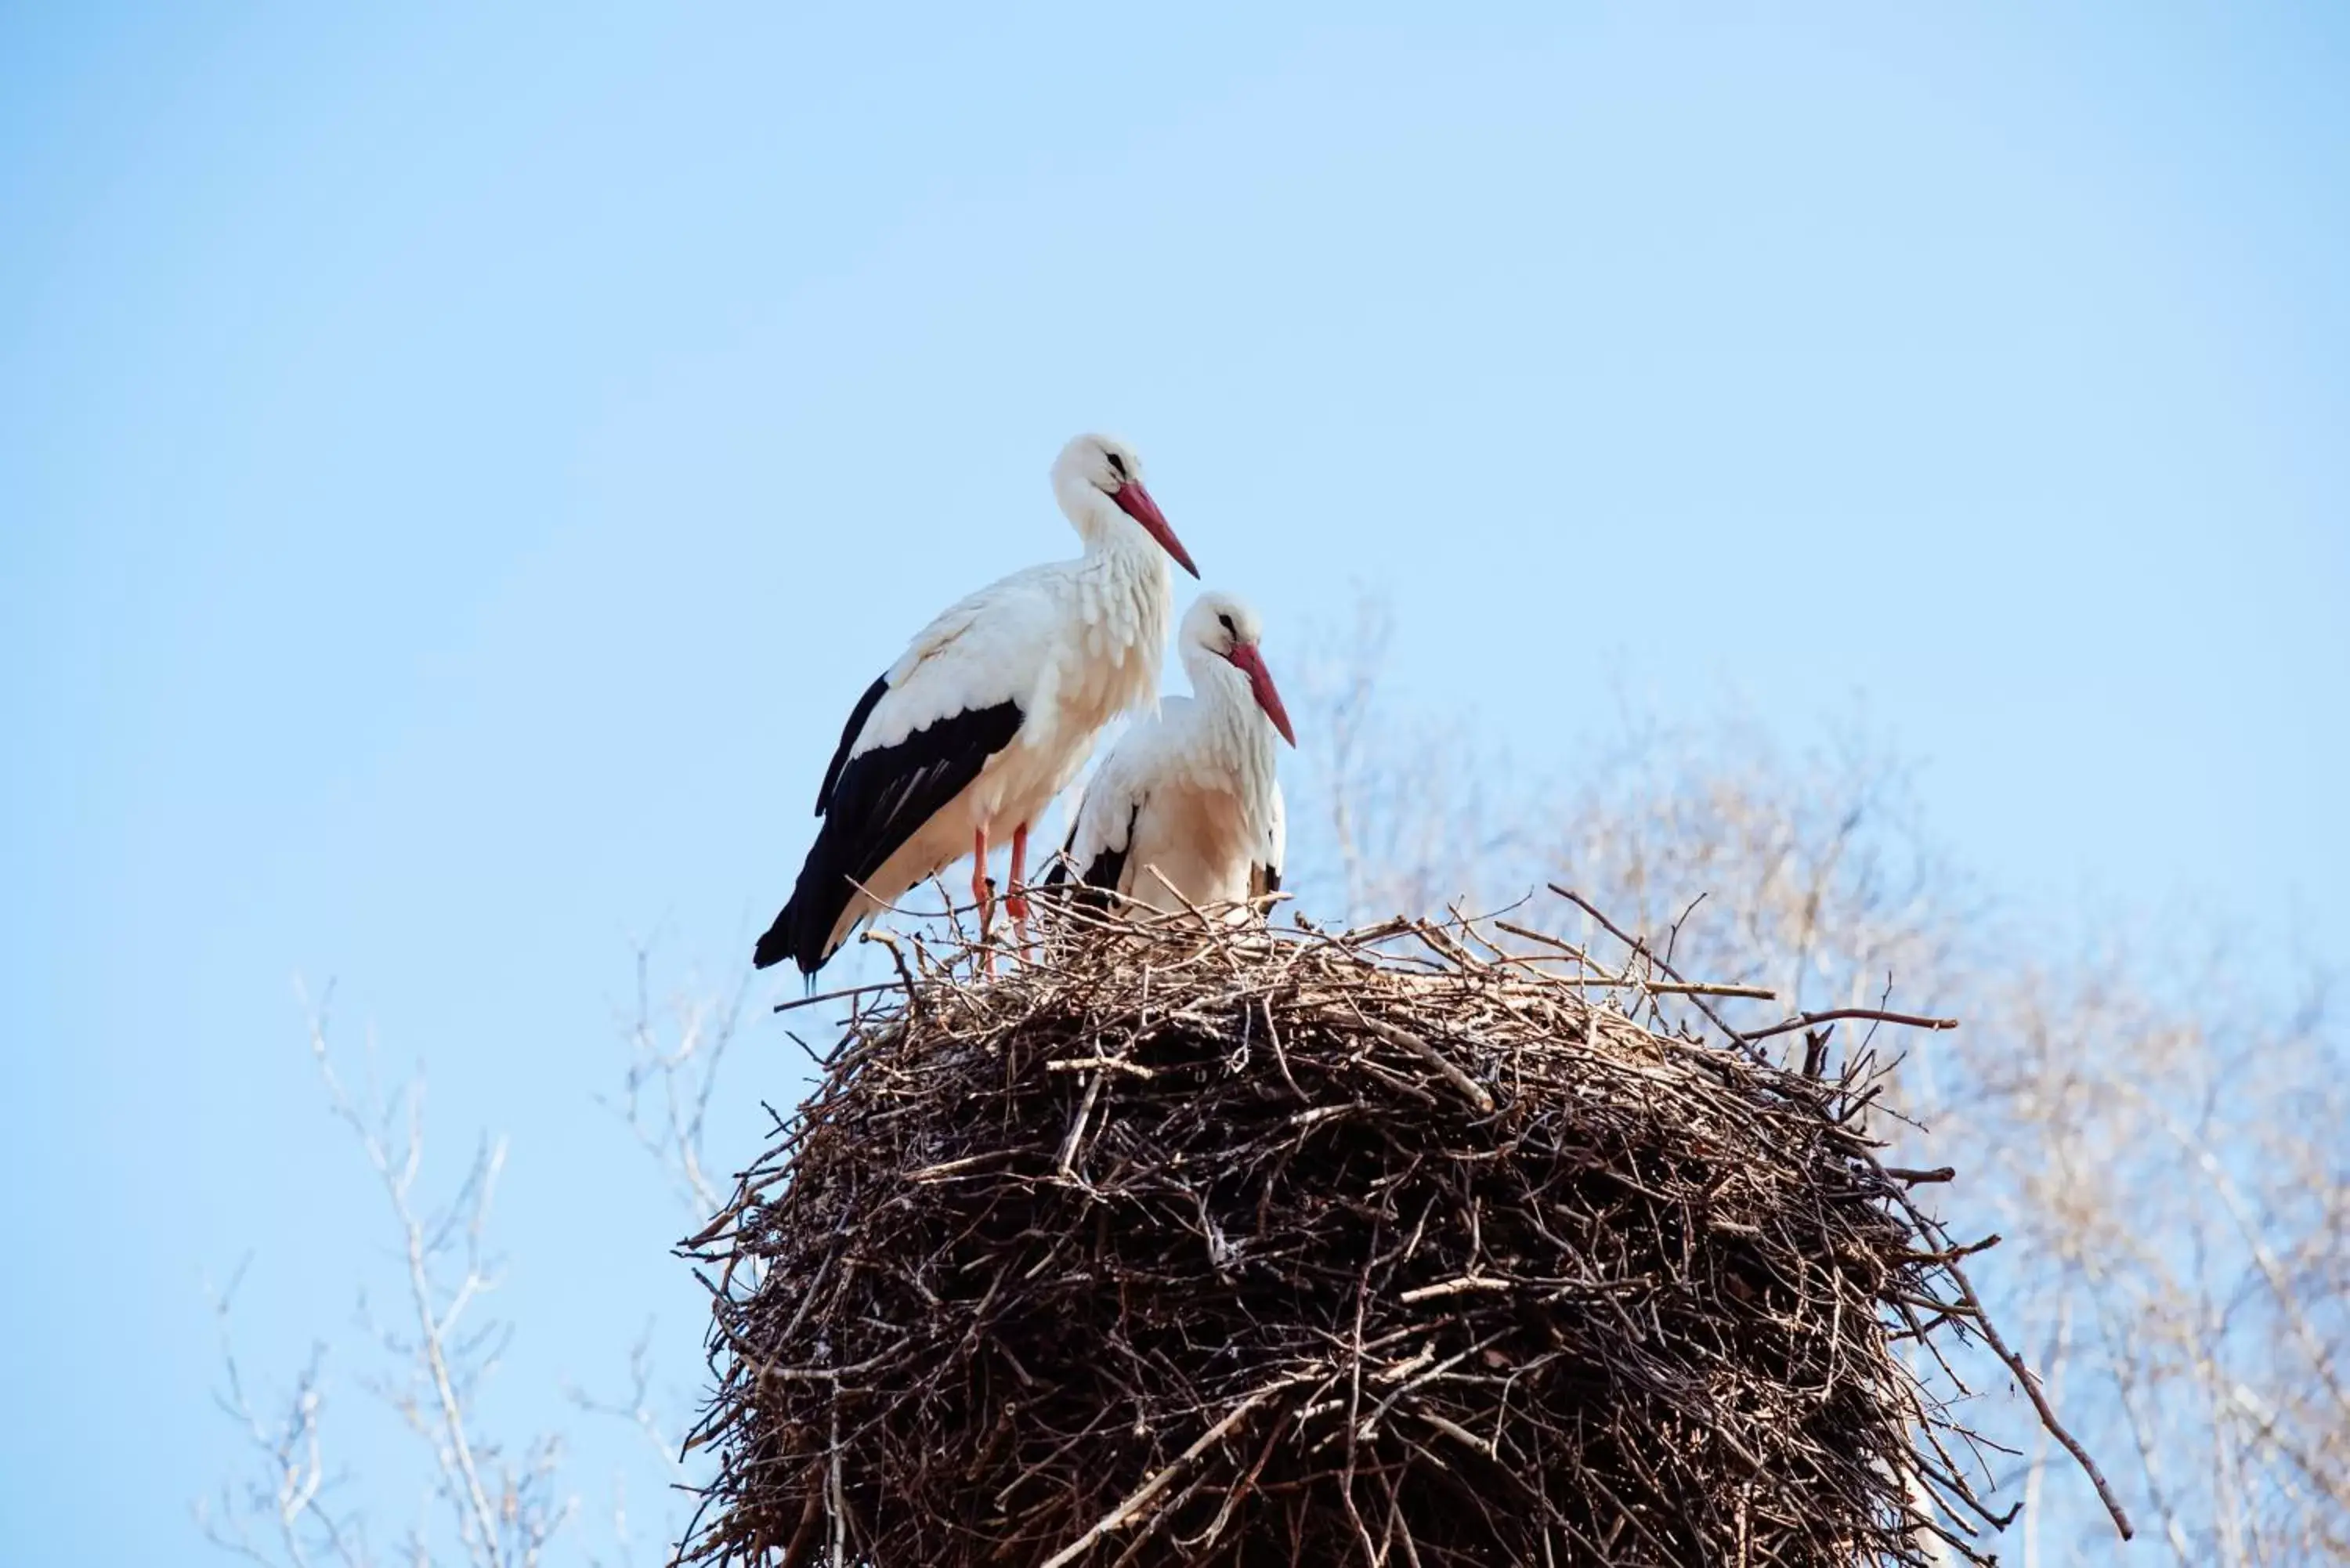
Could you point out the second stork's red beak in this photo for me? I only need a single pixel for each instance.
(1251, 663)
(1136, 502)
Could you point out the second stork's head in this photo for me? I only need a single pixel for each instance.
(1222, 629)
(1097, 480)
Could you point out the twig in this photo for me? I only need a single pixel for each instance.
(1474, 1092)
(1635, 943)
(836, 995)
(1982, 1325)
(1809, 1020)
(1142, 1494)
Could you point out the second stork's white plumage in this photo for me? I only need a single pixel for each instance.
(990, 712)
(1186, 808)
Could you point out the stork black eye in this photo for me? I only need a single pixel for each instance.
(1118, 464)
(1226, 622)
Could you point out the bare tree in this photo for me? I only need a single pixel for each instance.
(2177, 1167)
(677, 1046)
(500, 1504)
(676, 1049)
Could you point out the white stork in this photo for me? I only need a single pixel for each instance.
(1192, 793)
(989, 714)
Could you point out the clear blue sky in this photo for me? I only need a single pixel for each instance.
(455, 472)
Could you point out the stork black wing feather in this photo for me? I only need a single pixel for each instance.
(1100, 879)
(1108, 867)
(1059, 874)
(857, 717)
(873, 803)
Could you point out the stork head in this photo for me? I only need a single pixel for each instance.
(1221, 626)
(1098, 477)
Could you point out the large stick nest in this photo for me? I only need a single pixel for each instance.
(1191, 1247)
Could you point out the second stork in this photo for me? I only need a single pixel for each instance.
(1186, 808)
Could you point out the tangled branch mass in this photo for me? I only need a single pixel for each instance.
(1219, 1246)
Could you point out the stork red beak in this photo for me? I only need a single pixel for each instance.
(1136, 502)
(1251, 663)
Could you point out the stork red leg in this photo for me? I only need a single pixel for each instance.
(981, 897)
(1015, 902)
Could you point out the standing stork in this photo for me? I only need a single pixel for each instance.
(989, 714)
(1192, 794)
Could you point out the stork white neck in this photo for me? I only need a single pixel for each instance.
(1219, 687)
(1235, 733)
(1105, 528)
